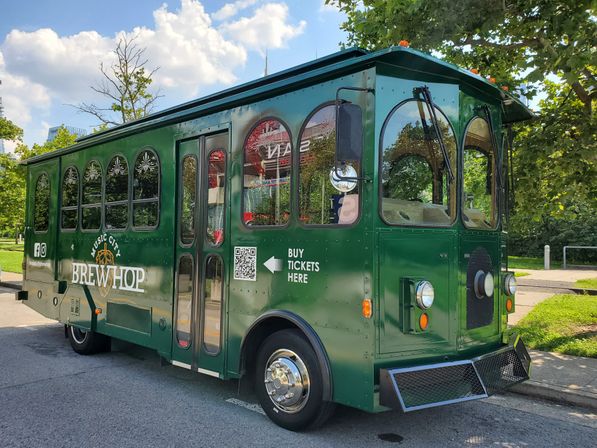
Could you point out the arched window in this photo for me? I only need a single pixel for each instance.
(267, 172)
(415, 184)
(91, 205)
(323, 200)
(41, 204)
(70, 199)
(479, 200)
(146, 190)
(116, 205)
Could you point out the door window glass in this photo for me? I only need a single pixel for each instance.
(41, 204)
(146, 186)
(267, 171)
(92, 196)
(216, 179)
(212, 304)
(188, 200)
(479, 179)
(415, 183)
(117, 194)
(70, 198)
(323, 200)
(184, 301)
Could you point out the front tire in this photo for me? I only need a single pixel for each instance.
(289, 382)
(87, 342)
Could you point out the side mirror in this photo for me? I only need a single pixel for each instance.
(349, 132)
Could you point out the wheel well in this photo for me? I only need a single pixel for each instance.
(277, 320)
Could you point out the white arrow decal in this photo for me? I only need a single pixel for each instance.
(273, 264)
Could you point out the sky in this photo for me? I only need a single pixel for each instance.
(51, 50)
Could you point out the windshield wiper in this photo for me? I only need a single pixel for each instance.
(424, 91)
(498, 159)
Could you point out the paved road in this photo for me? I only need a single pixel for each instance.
(49, 396)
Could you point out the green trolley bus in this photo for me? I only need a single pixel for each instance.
(335, 233)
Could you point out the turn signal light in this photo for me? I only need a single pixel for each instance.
(98, 311)
(424, 321)
(509, 305)
(367, 308)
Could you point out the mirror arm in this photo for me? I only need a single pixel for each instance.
(337, 107)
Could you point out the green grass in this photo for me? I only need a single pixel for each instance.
(588, 283)
(10, 261)
(521, 274)
(530, 263)
(10, 245)
(564, 323)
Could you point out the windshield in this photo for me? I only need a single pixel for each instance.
(415, 185)
(479, 177)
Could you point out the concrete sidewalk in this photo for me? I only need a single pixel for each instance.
(562, 378)
(11, 280)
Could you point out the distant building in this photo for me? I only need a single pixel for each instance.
(73, 130)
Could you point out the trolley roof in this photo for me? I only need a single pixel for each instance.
(341, 62)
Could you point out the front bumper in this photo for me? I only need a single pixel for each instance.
(421, 387)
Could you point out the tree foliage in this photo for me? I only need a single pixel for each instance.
(516, 41)
(9, 130)
(125, 85)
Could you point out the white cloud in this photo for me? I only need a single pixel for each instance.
(41, 68)
(232, 9)
(268, 28)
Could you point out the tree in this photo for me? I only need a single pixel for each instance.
(516, 41)
(9, 130)
(126, 85)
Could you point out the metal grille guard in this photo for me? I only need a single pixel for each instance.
(422, 387)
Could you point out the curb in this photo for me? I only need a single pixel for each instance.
(11, 285)
(557, 394)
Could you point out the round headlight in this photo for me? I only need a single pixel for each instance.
(425, 294)
(510, 284)
(488, 284)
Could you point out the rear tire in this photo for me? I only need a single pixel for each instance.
(87, 342)
(289, 382)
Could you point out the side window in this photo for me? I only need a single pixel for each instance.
(70, 199)
(212, 302)
(146, 190)
(184, 301)
(479, 180)
(415, 184)
(189, 199)
(216, 178)
(266, 174)
(91, 205)
(41, 204)
(116, 208)
(323, 200)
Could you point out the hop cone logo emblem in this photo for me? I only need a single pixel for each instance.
(105, 257)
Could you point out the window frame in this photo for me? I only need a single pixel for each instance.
(206, 240)
(134, 201)
(380, 197)
(40, 174)
(95, 204)
(176, 295)
(494, 173)
(242, 189)
(127, 201)
(70, 207)
(180, 188)
(298, 164)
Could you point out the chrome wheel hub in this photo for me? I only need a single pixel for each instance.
(287, 381)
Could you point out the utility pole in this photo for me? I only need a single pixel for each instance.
(265, 71)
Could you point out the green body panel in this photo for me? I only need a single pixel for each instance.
(368, 259)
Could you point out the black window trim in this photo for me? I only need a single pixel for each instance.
(70, 207)
(41, 173)
(206, 241)
(127, 201)
(298, 181)
(134, 201)
(176, 295)
(95, 204)
(380, 167)
(180, 188)
(203, 302)
(498, 220)
(242, 197)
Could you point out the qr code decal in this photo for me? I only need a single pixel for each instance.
(245, 263)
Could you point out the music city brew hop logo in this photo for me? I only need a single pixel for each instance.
(105, 273)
